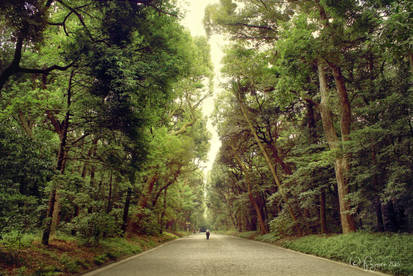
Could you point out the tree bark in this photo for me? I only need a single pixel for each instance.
(163, 211)
(323, 219)
(109, 206)
(169, 183)
(126, 210)
(341, 163)
(379, 216)
(52, 212)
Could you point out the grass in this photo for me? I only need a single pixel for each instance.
(65, 255)
(386, 252)
(270, 237)
(371, 251)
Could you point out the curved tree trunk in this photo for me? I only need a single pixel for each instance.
(267, 158)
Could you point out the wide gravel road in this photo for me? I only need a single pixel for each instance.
(225, 255)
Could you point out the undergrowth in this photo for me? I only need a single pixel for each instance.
(386, 252)
(67, 255)
(371, 251)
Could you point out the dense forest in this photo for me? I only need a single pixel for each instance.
(101, 132)
(316, 117)
(103, 141)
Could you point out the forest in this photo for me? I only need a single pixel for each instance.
(102, 135)
(101, 132)
(316, 119)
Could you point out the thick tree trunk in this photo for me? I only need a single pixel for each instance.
(341, 164)
(263, 226)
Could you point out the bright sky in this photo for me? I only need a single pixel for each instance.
(193, 21)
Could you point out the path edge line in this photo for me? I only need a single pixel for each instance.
(98, 270)
(314, 256)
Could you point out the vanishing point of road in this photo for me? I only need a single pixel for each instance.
(225, 255)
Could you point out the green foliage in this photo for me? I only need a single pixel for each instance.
(25, 169)
(282, 225)
(384, 252)
(120, 247)
(248, 235)
(94, 226)
(275, 57)
(16, 240)
(270, 237)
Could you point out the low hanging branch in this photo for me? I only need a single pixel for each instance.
(15, 68)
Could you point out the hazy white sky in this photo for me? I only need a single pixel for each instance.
(193, 21)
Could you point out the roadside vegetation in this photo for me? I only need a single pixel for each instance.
(385, 252)
(101, 131)
(65, 255)
(315, 119)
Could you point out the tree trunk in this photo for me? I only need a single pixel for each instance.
(163, 211)
(379, 216)
(287, 170)
(149, 188)
(62, 130)
(109, 206)
(341, 164)
(53, 206)
(263, 227)
(323, 219)
(267, 158)
(126, 210)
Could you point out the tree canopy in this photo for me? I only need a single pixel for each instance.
(315, 117)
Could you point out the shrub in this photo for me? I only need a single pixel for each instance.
(282, 225)
(93, 226)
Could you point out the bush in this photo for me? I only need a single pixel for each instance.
(120, 246)
(148, 223)
(17, 240)
(282, 225)
(93, 226)
(69, 264)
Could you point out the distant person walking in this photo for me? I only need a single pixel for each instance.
(207, 234)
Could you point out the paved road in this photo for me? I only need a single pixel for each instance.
(225, 255)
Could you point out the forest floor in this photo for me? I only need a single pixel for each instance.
(385, 252)
(68, 256)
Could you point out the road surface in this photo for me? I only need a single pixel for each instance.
(225, 255)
